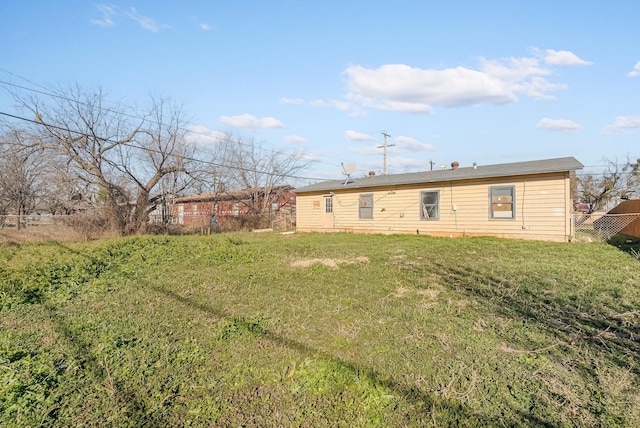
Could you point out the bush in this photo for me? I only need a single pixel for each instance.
(89, 224)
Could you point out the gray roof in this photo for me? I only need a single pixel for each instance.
(447, 175)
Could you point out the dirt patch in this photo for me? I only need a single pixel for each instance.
(332, 263)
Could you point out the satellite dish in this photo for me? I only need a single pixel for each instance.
(348, 170)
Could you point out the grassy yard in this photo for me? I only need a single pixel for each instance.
(318, 330)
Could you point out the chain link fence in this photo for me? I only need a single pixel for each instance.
(602, 226)
(32, 220)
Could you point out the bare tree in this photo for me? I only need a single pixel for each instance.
(122, 154)
(263, 173)
(22, 175)
(617, 181)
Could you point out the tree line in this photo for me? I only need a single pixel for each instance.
(72, 151)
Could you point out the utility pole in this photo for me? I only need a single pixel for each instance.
(385, 149)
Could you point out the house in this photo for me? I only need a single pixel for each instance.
(198, 210)
(527, 200)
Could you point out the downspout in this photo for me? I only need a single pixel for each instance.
(524, 192)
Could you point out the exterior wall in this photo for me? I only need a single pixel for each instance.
(192, 214)
(542, 209)
(199, 213)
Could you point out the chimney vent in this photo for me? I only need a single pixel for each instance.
(455, 165)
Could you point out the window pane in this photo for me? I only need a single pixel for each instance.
(328, 205)
(366, 206)
(430, 206)
(502, 202)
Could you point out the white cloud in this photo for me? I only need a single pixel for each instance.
(202, 25)
(318, 103)
(248, 121)
(295, 101)
(623, 124)
(204, 136)
(564, 126)
(513, 69)
(359, 136)
(111, 15)
(401, 144)
(400, 87)
(408, 144)
(145, 22)
(108, 12)
(636, 70)
(564, 58)
(295, 140)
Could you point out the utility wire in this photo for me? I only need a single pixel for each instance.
(211, 163)
(50, 93)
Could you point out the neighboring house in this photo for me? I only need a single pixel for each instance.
(198, 210)
(528, 200)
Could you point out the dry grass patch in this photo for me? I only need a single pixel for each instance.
(332, 263)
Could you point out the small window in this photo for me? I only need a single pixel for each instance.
(502, 202)
(328, 205)
(366, 206)
(430, 205)
(236, 209)
(275, 207)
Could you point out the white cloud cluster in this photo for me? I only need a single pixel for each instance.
(249, 121)
(145, 22)
(400, 144)
(110, 15)
(295, 140)
(564, 58)
(623, 124)
(636, 70)
(564, 126)
(359, 136)
(400, 87)
(411, 145)
(203, 136)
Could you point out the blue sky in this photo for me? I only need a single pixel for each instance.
(467, 81)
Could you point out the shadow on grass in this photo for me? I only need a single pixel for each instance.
(131, 406)
(573, 325)
(626, 243)
(423, 402)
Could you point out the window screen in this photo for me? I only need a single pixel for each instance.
(366, 205)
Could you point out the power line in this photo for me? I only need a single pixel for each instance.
(211, 163)
(50, 93)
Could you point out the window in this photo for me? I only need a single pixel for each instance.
(366, 206)
(236, 209)
(328, 205)
(430, 205)
(502, 202)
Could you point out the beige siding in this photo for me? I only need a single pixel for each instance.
(542, 209)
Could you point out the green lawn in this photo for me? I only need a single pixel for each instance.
(318, 330)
